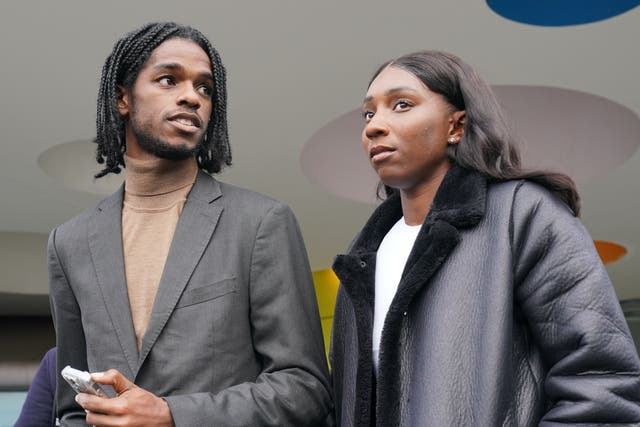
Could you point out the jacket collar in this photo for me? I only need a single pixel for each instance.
(192, 234)
(461, 198)
(460, 201)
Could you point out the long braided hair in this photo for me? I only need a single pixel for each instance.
(121, 69)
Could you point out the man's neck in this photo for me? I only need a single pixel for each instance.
(158, 176)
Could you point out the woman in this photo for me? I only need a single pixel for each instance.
(473, 296)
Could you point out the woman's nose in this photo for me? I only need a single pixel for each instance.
(376, 127)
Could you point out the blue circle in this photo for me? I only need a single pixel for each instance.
(558, 13)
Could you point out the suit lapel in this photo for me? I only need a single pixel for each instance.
(105, 245)
(192, 235)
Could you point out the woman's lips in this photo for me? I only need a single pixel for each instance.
(380, 153)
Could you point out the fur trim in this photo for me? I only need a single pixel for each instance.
(459, 203)
(378, 225)
(355, 273)
(461, 199)
(433, 249)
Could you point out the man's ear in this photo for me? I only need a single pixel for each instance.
(123, 98)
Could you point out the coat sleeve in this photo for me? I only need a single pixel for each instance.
(293, 387)
(70, 341)
(575, 319)
(37, 409)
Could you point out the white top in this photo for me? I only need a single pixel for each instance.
(390, 261)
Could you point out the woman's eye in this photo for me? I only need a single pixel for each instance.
(401, 105)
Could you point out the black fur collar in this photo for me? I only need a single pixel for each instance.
(461, 198)
(460, 201)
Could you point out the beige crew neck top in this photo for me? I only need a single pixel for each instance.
(154, 194)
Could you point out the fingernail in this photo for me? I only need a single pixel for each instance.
(98, 374)
(78, 399)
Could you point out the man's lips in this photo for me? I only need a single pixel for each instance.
(378, 153)
(186, 121)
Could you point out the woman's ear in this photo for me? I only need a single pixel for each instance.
(123, 98)
(457, 122)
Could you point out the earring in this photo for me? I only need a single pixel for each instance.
(452, 140)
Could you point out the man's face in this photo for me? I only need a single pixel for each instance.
(168, 109)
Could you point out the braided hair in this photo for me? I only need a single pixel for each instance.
(121, 69)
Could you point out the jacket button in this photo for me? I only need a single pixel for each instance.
(363, 264)
(404, 314)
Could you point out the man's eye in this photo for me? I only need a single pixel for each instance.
(367, 115)
(205, 90)
(166, 81)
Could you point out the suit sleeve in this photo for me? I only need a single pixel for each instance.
(575, 319)
(293, 387)
(70, 341)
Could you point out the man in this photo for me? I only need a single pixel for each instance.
(190, 297)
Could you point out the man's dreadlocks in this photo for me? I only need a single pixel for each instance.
(121, 70)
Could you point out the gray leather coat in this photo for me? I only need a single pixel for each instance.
(504, 316)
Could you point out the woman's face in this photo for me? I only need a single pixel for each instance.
(406, 130)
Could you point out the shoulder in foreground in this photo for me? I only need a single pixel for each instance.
(248, 199)
(78, 224)
(525, 194)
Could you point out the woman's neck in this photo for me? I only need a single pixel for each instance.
(417, 201)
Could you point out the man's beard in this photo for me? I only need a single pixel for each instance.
(155, 146)
(161, 149)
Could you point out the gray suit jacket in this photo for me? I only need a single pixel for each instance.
(234, 336)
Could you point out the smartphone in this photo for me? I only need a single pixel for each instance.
(81, 381)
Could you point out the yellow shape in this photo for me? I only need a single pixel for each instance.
(326, 284)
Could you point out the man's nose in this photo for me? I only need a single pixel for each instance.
(189, 96)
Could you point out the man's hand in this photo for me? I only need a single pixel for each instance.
(132, 407)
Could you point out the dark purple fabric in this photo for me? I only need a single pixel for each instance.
(37, 410)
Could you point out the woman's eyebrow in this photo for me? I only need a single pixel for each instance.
(391, 92)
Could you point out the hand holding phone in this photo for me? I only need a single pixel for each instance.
(81, 381)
